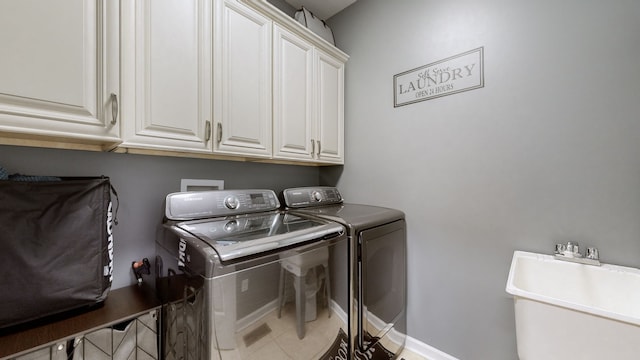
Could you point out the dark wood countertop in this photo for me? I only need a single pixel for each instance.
(121, 304)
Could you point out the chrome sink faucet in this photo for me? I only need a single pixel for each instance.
(571, 252)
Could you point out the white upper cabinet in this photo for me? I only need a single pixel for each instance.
(242, 81)
(330, 108)
(308, 101)
(293, 96)
(167, 74)
(59, 70)
(211, 78)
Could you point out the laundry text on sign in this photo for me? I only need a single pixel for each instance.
(455, 74)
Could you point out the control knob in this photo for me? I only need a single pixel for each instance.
(231, 202)
(231, 226)
(316, 196)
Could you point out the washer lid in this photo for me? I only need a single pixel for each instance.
(251, 235)
(356, 216)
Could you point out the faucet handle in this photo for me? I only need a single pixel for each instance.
(592, 253)
(560, 248)
(573, 247)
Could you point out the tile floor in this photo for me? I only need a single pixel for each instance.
(282, 343)
(270, 337)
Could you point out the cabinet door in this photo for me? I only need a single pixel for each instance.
(58, 69)
(242, 80)
(330, 109)
(167, 74)
(292, 96)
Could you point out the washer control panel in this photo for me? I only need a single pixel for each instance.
(191, 205)
(311, 196)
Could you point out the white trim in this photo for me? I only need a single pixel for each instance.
(337, 309)
(201, 184)
(426, 351)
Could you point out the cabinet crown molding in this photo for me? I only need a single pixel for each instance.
(292, 25)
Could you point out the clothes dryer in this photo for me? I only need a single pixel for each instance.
(378, 267)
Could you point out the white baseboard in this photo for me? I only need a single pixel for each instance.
(426, 351)
(338, 311)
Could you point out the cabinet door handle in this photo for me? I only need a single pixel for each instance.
(207, 131)
(219, 133)
(313, 147)
(319, 148)
(114, 108)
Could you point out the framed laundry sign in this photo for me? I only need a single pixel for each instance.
(455, 74)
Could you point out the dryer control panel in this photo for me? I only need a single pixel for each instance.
(311, 196)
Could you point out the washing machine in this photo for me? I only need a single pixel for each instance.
(377, 265)
(240, 278)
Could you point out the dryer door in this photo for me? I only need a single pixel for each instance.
(382, 287)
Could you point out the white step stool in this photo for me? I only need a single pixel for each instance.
(299, 266)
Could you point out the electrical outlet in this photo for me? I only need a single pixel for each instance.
(244, 285)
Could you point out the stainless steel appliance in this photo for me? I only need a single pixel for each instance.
(230, 257)
(378, 266)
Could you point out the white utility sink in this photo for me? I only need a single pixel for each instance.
(565, 310)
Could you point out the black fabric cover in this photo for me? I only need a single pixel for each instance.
(56, 247)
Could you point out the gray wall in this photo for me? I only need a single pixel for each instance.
(547, 151)
(283, 6)
(142, 182)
